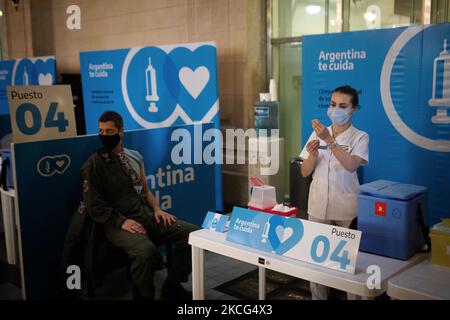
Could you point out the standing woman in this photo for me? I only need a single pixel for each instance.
(332, 155)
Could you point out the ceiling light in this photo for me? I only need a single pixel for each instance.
(312, 9)
(370, 16)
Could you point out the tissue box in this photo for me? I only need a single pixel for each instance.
(263, 197)
(440, 245)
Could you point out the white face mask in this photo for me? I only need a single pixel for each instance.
(339, 116)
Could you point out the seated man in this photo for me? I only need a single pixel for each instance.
(117, 195)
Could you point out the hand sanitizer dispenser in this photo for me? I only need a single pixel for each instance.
(266, 116)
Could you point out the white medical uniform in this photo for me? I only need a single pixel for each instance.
(333, 192)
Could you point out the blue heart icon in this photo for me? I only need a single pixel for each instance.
(292, 234)
(275, 223)
(61, 163)
(284, 233)
(49, 165)
(196, 72)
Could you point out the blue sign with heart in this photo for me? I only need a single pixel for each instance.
(25, 72)
(263, 231)
(197, 74)
(49, 165)
(284, 233)
(152, 86)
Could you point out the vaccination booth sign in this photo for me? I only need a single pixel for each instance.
(403, 78)
(321, 244)
(41, 112)
(151, 86)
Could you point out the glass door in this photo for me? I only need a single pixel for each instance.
(289, 20)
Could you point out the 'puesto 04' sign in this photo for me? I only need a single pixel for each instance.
(21, 72)
(41, 112)
(329, 246)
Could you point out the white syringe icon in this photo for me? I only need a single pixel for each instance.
(151, 87)
(47, 168)
(441, 87)
(25, 77)
(265, 234)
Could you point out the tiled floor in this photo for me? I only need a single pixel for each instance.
(218, 270)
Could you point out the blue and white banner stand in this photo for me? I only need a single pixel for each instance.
(153, 87)
(403, 77)
(25, 72)
(49, 189)
(326, 245)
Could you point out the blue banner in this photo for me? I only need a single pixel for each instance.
(153, 87)
(25, 72)
(402, 76)
(49, 190)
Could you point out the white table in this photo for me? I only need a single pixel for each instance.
(9, 224)
(423, 281)
(355, 284)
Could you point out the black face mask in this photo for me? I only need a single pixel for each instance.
(110, 141)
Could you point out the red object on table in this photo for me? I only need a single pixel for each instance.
(256, 182)
(292, 213)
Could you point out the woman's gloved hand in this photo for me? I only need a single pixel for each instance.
(321, 131)
(312, 147)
